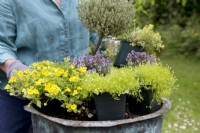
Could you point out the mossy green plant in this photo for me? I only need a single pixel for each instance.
(117, 82)
(156, 77)
(106, 17)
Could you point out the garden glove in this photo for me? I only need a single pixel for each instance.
(16, 65)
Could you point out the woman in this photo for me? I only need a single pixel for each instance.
(35, 30)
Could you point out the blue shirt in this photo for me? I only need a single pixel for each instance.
(36, 30)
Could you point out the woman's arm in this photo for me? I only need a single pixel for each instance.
(7, 35)
(8, 49)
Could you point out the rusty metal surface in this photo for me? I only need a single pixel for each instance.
(151, 123)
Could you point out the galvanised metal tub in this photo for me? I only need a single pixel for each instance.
(151, 123)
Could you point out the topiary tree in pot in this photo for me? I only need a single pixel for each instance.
(106, 17)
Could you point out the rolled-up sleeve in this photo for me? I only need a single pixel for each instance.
(7, 32)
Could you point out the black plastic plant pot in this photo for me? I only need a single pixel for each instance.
(108, 108)
(151, 123)
(52, 109)
(146, 106)
(124, 49)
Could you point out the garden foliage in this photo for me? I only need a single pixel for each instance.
(177, 21)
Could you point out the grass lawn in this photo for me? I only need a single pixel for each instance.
(184, 117)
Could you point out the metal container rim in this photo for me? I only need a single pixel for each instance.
(166, 106)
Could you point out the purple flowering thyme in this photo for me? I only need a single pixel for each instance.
(98, 63)
(136, 58)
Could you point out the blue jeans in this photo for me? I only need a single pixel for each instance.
(13, 117)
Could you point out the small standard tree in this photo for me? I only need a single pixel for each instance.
(106, 17)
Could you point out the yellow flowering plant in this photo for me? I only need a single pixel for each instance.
(53, 80)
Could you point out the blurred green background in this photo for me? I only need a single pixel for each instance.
(178, 22)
